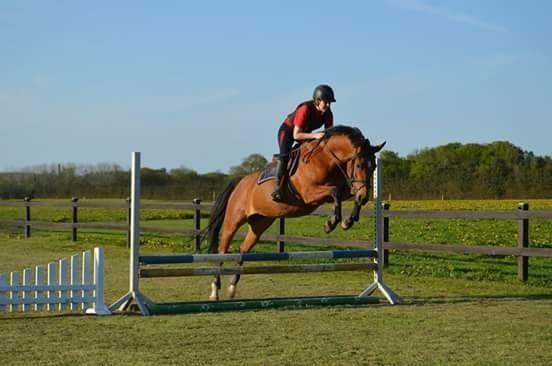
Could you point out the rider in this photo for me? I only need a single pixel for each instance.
(298, 126)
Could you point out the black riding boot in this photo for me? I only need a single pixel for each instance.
(277, 194)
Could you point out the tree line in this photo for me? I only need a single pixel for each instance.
(452, 171)
(462, 171)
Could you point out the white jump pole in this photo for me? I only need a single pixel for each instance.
(134, 277)
(378, 284)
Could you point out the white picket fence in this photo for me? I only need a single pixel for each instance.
(76, 285)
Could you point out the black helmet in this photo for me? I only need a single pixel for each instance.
(323, 92)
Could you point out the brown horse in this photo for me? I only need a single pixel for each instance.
(332, 169)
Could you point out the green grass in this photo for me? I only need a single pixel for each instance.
(443, 321)
(458, 309)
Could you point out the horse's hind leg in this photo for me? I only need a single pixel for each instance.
(257, 226)
(229, 228)
(215, 287)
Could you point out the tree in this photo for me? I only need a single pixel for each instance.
(396, 173)
(250, 164)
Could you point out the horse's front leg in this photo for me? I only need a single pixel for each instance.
(353, 217)
(334, 219)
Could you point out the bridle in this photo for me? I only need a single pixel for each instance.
(350, 179)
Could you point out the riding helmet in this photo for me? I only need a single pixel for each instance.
(323, 92)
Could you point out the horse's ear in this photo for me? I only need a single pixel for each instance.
(377, 148)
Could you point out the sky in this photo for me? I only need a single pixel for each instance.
(204, 84)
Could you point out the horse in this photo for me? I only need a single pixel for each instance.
(331, 169)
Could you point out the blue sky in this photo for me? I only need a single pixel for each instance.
(203, 84)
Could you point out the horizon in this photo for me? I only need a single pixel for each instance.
(204, 85)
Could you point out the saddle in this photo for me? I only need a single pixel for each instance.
(269, 171)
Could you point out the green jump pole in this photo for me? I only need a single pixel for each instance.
(253, 304)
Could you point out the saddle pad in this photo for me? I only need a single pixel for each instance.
(269, 171)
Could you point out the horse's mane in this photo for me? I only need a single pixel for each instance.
(353, 133)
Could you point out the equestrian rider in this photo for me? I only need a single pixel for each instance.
(298, 126)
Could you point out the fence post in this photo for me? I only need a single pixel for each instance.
(280, 244)
(197, 224)
(27, 216)
(128, 221)
(386, 207)
(523, 242)
(74, 219)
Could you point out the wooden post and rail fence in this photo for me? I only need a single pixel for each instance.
(522, 215)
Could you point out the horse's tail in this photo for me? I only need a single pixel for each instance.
(217, 214)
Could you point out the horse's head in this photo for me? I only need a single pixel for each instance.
(361, 169)
(356, 160)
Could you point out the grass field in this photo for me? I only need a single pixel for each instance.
(458, 309)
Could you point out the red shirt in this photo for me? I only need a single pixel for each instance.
(308, 118)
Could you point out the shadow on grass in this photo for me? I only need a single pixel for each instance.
(43, 315)
(474, 299)
(136, 313)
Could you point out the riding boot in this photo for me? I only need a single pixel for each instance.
(277, 194)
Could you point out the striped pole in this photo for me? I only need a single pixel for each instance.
(255, 257)
(223, 271)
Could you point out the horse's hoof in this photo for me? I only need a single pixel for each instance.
(214, 292)
(346, 225)
(231, 291)
(327, 228)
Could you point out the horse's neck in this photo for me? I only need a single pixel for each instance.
(327, 155)
(340, 146)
